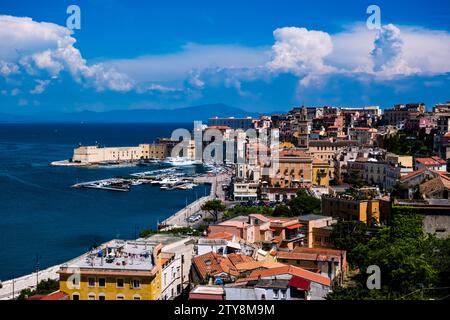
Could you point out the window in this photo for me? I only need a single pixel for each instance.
(275, 293)
(91, 296)
(120, 283)
(101, 297)
(76, 297)
(101, 282)
(120, 297)
(136, 297)
(91, 282)
(76, 281)
(136, 284)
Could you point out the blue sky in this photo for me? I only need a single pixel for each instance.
(256, 55)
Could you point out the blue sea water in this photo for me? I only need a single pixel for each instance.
(41, 215)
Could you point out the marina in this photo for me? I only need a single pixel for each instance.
(167, 180)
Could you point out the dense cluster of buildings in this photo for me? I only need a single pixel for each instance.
(248, 257)
(337, 155)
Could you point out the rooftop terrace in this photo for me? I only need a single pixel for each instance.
(117, 255)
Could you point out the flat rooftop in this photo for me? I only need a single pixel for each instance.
(311, 217)
(117, 255)
(208, 290)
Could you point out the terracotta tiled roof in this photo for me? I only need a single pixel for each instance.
(58, 295)
(431, 161)
(212, 263)
(311, 254)
(236, 258)
(297, 256)
(439, 183)
(234, 223)
(414, 173)
(335, 252)
(265, 264)
(260, 217)
(221, 235)
(419, 172)
(294, 271)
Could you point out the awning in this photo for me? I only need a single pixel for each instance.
(294, 226)
(299, 283)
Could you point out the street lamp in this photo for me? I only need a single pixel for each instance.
(38, 259)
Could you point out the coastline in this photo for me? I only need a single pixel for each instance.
(28, 281)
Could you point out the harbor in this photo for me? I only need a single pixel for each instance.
(167, 179)
(11, 288)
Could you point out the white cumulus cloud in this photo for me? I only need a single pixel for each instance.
(40, 47)
(301, 52)
(395, 50)
(387, 54)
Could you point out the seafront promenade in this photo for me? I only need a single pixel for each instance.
(179, 218)
(11, 288)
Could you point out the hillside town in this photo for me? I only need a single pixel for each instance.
(352, 188)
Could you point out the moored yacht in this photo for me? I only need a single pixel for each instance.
(178, 161)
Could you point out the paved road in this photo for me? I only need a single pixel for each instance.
(179, 218)
(26, 282)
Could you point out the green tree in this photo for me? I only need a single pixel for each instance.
(354, 179)
(304, 203)
(282, 210)
(347, 235)
(44, 287)
(408, 260)
(213, 207)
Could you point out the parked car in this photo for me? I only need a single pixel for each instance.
(194, 218)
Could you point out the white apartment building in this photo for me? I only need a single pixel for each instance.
(176, 263)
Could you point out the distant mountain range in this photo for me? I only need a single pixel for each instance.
(188, 114)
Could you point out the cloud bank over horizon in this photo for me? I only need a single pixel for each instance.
(355, 66)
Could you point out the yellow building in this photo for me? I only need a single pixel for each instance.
(294, 171)
(118, 270)
(321, 171)
(348, 208)
(156, 151)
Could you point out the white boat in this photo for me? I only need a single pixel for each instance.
(186, 186)
(169, 181)
(178, 161)
(136, 182)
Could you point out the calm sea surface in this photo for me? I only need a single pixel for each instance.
(41, 215)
